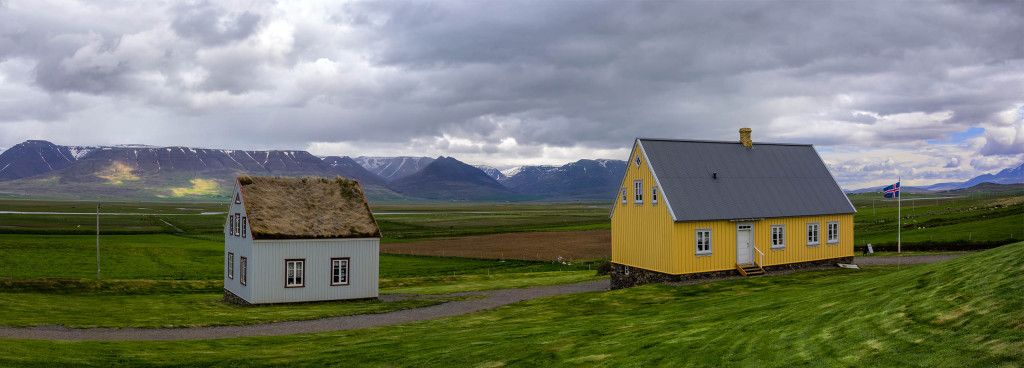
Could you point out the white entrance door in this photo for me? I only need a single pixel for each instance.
(744, 246)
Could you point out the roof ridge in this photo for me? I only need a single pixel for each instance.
(717, 141)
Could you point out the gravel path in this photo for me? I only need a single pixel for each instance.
(905, 260)
(495, 299)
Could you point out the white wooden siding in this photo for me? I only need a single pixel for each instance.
(267, 269)
(241, 247)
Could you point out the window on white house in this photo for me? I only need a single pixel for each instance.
(654, 195)
(638, 191)
(832, 232)
(294, 272)
(812, 234)
(231, 265)
(245, 226)
(778, 236)
(339, 271)
(238, 224)
(242, 270)
(624, 196)
(238, 198)
(703, 241)
(231, 224)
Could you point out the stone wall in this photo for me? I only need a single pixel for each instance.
(639, 276)
(235, 299)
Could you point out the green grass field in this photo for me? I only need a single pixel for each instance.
(977, 218)
(963, 312)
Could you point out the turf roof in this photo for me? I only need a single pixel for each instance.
(304, 208)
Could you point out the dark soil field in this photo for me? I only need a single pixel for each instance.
(539, 246)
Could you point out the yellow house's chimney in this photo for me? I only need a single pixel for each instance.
(745, 137)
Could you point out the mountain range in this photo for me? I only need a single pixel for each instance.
(38, 167)
(1011, 175)
(137, 171)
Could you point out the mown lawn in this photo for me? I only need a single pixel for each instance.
(963, 312)
(142, 303)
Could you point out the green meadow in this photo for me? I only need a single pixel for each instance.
(963, 312)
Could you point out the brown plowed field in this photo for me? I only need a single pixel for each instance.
(539, 246)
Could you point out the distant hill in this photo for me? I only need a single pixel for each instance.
(349, 168)
(492, 172)
(1006, 176)
(391, 168)
(904, 189)
(591, 179)
(450, 179)
(173, 172)
(32, 158)
(989, 188)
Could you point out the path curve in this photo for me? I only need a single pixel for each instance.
(932, 258)
(495, 299)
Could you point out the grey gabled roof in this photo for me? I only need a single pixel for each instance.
(767, 180)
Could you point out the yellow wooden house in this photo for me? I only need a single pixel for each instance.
(690, 209)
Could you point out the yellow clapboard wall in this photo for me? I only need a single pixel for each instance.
(645, 236)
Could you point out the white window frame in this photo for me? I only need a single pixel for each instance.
(231, 265)
(813, 234)
(638, 191)
(231, 224)
(294, 273)
(702, 236)
(238, 224)
(336, 266)
(778, 237)
(243, 264)
(654, 196)
(832, 236)
(625, 195)
(245, 225)
(637, 161)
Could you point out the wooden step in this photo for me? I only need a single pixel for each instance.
(750, 270)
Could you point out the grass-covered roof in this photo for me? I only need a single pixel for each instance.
(303, 208)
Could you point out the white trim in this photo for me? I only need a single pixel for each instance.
(654, 174)
(817, 234)
(638, 191)
(625, 196)
(654, 195)
(782, 237)
(828, 234)
(745, 226)
(834, 179)
(709, 242)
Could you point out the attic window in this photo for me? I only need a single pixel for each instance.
(637, 161)
(654, 195)
(231, 224)
(238, 199)
(238, 224)
(624, 196)
(245, 226)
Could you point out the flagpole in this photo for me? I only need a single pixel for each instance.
(899, 216)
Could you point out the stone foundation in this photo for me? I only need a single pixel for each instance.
(235, 299)
(640, 276)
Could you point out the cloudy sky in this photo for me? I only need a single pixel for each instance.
(932, 91)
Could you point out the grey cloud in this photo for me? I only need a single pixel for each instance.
(211, 25)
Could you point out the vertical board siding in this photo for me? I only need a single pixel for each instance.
(796, 239)
(241, 247)
(723, 247)
(267, 271)
(642, 234)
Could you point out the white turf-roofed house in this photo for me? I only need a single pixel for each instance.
(292, 240)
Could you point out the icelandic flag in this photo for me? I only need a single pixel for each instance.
(892, 191)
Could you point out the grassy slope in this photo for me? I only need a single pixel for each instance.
(995, 217)
(964, 312)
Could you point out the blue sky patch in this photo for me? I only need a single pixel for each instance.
(955, 138)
